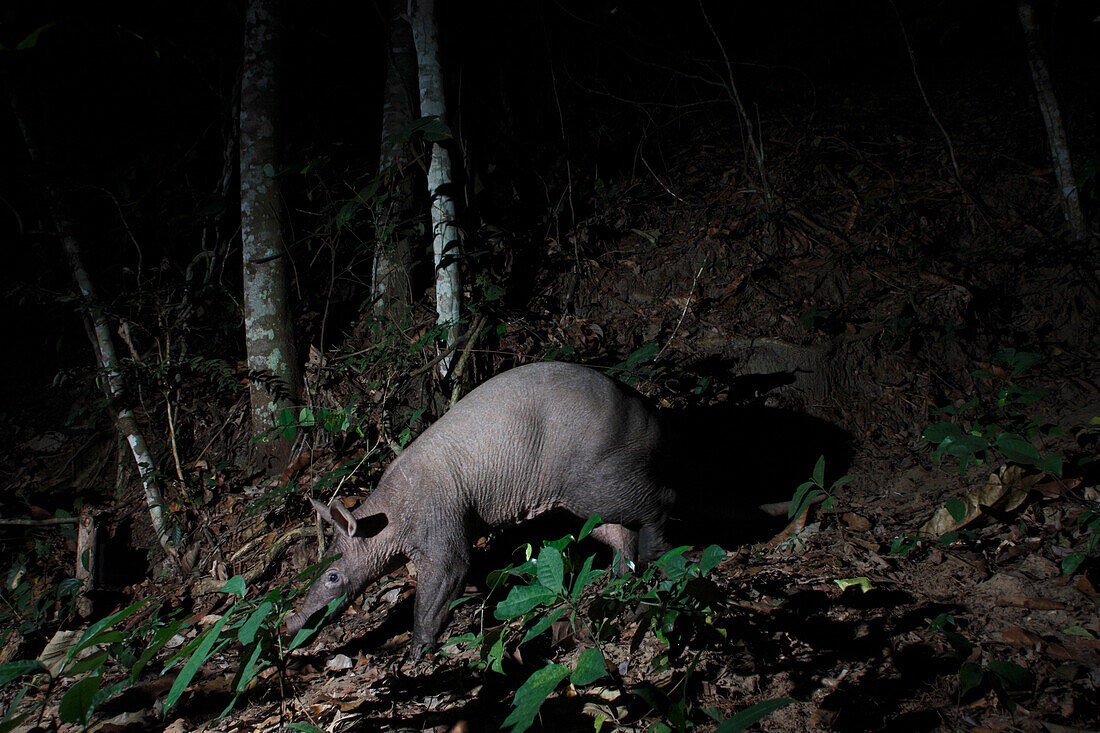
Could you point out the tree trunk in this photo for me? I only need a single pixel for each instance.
(1052, 119)
(446, 236)
(269, 337)
(393, 257)
(104, 347)
(87, 560)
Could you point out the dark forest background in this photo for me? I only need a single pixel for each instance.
(613, 216)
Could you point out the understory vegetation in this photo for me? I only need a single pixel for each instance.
(827, 245)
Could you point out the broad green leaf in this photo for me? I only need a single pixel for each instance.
(970, 677)
(672, 557)
(861, 582)
(941, 430)
(819, 471)
(15, 670)
(964, 445)
(956, 507)
(9, 725)
(589, 526)
(496, 655)
(675, 567)
(93, 662)
(531, 695)
(235, 586)
(543, 624)
(433, 128)
(162, 637)
(248, 630)
(1051, 464)
(751, 715)
(1027, 396)
(91, 636)
(306, 418)
(110, 636)
(496, 578)
(288, 430)
(249, 669)
(1020, 361)
(550, 569)
(640, 356)
(1080, 631)
(202, 651)
(846, 478)
(710, 559)
(1070, 563)
(521, 599)
(1012, 676)
(585, 577)
(307, 631)
(31, 39)
(1017, 449)
(803, 496)
(77, 703)
(347, 213)
(590, 667)
(527, 567)
(559, 544)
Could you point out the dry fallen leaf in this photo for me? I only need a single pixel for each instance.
(1005, 490)
(54, 656)
(856, 523)
(1020, 637)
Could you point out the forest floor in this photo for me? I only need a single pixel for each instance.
(876, 293)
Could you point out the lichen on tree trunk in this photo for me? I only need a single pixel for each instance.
(446, 236)
(392, 290)
(269, 339)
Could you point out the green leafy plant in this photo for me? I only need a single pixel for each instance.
(671, 598)
(109, 660)
(904, 546)
(102, 643)
(1089, 523)
(808, 491)
(1003, 678)
(25, 605)
(641, 364)
(815, 317)
(327, 419)
(255, 626)
(992, 421)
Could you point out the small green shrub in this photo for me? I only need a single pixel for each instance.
(671, 598)
(815, 487)
(992, 421)
(109, 660)
(1005, 679)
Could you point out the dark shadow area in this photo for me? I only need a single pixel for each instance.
(724, 462)
(481, 700)
(121, 561)
(813, 631)
(119, 564)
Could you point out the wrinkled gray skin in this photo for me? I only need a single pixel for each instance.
(531, 440)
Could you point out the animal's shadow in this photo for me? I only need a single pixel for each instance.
(725, 462)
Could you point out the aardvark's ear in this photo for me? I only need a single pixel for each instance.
(322, 510)
(342, 520)
(371, 525)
